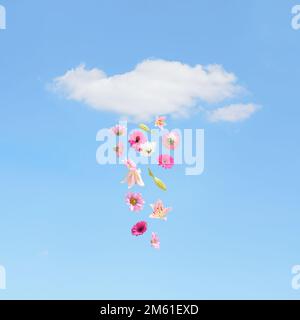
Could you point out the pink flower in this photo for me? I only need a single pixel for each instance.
(134, 175)
(171, 140)
(136, 139)
(118, 130)
(155, 243)
(166, 161)
(139, 228)
(135, 201)
(129, 164)
(119, 149)
(160, 122)
(159, 210)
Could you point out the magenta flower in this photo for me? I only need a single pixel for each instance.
(136, 139)
(166, 161)
(139, 228)
(171, 140)
(118, 130)
(135, 201)
(155, 243)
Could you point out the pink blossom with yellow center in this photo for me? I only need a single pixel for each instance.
(135, 201)
(160, 122)
(159, 210)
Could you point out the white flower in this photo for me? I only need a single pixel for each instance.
(133, 177)
(148, 148)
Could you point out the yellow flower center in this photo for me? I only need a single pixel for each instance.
(133, 201)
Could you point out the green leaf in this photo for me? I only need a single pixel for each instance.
(150, 173)
(160, 184)
(144, 127)
(157, 181)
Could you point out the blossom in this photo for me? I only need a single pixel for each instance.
(166, 161)
(171, 140)
(135, 201)
(147, 148)
(155, 243)
(129, 164)
(118, 130)
(136, 139)
(159, 210)
(119, 149)
(160, 122)
(134, 175)
(139, 228)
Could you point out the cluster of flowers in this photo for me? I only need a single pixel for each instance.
(138, 141)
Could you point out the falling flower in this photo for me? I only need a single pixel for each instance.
(139, 228)
(166, 161)
(135, 201)
(159, 211)
(134, 175)
(171, 140)
(136, 139)
(119, 149)
(147, 148)
(129, 164)
(155, 243)
(157, 181)
(144, 127)
(118, 130)
(160, 122)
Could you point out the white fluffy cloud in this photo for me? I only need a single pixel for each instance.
(154, 87)
(232, 113)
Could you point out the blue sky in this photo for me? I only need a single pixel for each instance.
(65, 231)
